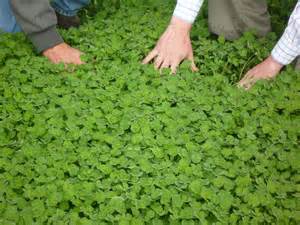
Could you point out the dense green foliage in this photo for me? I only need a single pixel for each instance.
(114, 142)
(279, 9)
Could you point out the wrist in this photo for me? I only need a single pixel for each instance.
(273, 63)
(54, 48)
(180, 25)
(45, 39)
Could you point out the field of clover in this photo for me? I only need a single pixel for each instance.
(115, 142)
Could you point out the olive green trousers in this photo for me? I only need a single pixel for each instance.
(231, 18)
(297, 66)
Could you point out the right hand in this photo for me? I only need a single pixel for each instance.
(173, 47)
(63, 53)
(266, 70)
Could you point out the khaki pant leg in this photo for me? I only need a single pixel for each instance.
(231, 18)
(254, 15)
(297, 66)
(222, 19)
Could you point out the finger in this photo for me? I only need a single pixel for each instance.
(173, 69)
(158, 62)
(191, 56)
(245, 79)
(194, 68)
(248, 81)
(150, 56)
(164, 65)
(245, 84)
(76, 58)
(248, 85)
(248, 78)
(52, 59)
(79, 62)
(56, 60)
(174, 66)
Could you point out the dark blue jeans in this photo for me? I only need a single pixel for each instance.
(8, 21)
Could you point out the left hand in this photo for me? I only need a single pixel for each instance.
(266, 70)
(63, 53)
(173, 47)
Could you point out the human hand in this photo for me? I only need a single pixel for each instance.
(173, 47)
(268, 69)
(63, 53)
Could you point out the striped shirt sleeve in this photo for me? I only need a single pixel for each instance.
(288, 47)
(187, 10)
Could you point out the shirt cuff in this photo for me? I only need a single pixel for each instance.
(187, 10)
(46, 39)
(285, 51)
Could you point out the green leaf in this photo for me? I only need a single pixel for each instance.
(196, 187)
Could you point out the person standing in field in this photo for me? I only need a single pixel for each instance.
(229, 18)
(38, 20)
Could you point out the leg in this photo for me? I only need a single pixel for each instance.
(221, 19)
(8, 21)
(253, 15)
(297, 66)
(231, 18)
(66, 12)
(69, 7)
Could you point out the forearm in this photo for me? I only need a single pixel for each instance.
(187, 10)
(288, 47)
(38, 21)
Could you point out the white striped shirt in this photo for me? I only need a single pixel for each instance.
(288, 47)
(188, 10)
(285, 51)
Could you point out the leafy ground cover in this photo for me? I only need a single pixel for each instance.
(114, 142)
